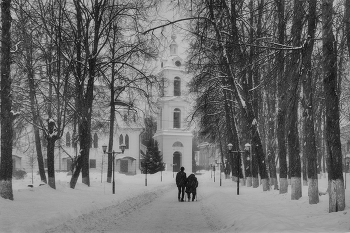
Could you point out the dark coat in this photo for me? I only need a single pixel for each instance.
(191, 184)
(181, 179)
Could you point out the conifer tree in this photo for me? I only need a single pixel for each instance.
(153, 159)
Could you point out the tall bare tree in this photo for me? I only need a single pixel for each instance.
(292, 102)
(7, 115)
(308, 114)
(25, 60)
(335, 170)
(281, 97)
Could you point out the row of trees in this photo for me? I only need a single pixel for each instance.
(68, 58)
(274, 70)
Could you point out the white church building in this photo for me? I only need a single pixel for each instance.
(173, 132)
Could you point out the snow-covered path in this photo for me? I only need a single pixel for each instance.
(164, 214)
(159, 210)
(154, 208)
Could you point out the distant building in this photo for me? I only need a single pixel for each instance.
(127, 130)
(345, 146)
(173, 135)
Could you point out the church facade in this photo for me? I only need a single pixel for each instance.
(173, 133)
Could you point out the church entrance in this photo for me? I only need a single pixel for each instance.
(177, 161)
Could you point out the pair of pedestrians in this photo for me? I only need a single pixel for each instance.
(189, 183)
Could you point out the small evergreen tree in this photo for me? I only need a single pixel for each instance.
(153, 159)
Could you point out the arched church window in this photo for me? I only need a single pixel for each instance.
(127, 141)
(121, 139)
(178, 144)
(95, 140)
(177, 117)
(177, 86)
(67, 139)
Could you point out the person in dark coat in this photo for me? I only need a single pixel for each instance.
(191, 187)
(181, 182)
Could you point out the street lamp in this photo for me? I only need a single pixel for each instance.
(104, 148)
(219, 163)
(146, 164)
(161, 175)
(216, 161)
(214, 171)
(102, 167)
(248, 164)
(238, 162)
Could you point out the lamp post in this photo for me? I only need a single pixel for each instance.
(161, 175)
(248, 165)
(219, 163)
(146, 164)
(104, 148)
(216, 161)
(238, 162)
(102, 166)
(211, 170)
(214, 171)
(173, 168)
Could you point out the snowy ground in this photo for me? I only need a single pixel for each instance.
(154, 208)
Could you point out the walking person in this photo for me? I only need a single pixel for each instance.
(181, 182)
(191, 187)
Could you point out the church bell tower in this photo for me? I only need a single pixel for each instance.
(173, 133)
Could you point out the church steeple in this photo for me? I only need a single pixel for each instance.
(173, 46)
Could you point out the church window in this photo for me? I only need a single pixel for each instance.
(127, 141)
(178, 144)
(177, 86)
(95, 140)
(178, 63)
(92, 163)
(177, 117)
(68, 139)
(121, 139)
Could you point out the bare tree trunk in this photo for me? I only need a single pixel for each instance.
(231, 129)
(7, 117)
(310, 152)
(335, 170)
(51, 139)
(271, 141)
(281, 92)
(79, 93)
(253, 81)
(85, 142)
(99, 8)
(30, 75)
(111, 132)
(112, 109)
(293, 136)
